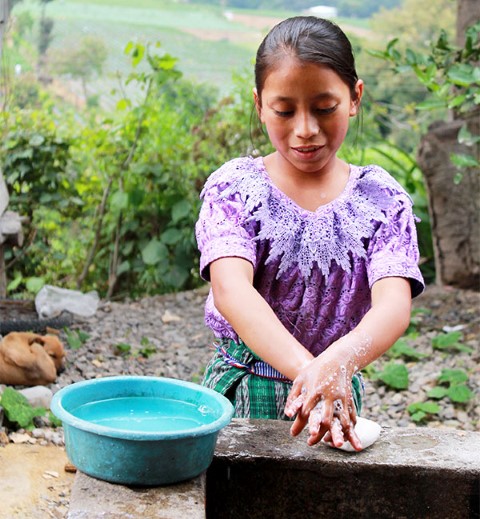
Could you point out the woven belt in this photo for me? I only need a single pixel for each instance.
(258, 367)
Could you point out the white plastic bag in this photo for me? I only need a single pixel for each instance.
(52, 301)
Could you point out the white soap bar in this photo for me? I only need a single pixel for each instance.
(367, 431)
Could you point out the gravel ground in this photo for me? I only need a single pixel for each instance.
(165, 336)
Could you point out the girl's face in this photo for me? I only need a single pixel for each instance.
(306, 109)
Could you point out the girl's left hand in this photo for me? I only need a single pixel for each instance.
(322, 392)
(321, 396)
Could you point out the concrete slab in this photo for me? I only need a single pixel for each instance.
(260, 471)
(95, 499)
(420, 447)
(33, 482)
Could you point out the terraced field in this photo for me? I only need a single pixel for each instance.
(209, 43)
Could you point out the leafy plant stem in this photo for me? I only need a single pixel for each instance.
(112, 278)
(98, 233)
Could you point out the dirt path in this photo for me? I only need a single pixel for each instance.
(33, 482)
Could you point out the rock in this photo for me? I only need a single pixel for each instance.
(38, 433)
(17, 437)
(38, 396)
(4, 440)
(169, 317)
(70, 467)
(50, 474)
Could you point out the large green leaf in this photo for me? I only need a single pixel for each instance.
(154, 252)
(462, 74)
(18, 409)
(460, 393)
(394, 375)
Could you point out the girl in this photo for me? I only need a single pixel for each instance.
(312, 261)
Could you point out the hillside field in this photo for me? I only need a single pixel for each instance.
(209, 43)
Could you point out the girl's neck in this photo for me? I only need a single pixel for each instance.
(308, 190)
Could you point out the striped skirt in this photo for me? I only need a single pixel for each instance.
(255, 389)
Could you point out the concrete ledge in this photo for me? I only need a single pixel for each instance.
(260, 471)
(94, 499)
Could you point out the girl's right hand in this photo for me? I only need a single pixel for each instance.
(321, 396)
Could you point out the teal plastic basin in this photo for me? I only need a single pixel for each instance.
(141, 430)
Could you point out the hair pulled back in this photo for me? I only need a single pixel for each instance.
(310, 39)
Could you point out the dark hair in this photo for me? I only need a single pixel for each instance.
(310, 39)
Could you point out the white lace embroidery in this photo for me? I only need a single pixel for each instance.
(297, 237)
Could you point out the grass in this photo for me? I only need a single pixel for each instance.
(116, 22)
(199, 60)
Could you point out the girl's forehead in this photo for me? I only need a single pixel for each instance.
(292, 73)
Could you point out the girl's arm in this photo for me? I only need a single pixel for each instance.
(325, 384)
(253, 319)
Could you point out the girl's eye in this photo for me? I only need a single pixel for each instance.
(282, 113)
(326, 111)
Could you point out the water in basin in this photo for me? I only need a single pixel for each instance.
(145, 414)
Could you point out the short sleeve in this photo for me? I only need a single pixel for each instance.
(223, 229)
(393, 250)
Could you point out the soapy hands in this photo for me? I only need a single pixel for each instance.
(321, 395)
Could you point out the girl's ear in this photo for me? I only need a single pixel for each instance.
(355, 103)
(258, 104)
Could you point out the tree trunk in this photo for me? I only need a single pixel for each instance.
(4, 15)
(454, 208)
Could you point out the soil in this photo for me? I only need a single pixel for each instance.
(33, 482)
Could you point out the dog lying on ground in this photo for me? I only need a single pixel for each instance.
(28, 359)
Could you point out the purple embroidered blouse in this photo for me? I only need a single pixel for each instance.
(315, 269)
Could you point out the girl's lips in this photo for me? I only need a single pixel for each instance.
(306, 149)
(307, 152)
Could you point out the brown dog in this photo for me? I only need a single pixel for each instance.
(28, 359)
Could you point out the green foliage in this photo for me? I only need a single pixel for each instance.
(114, 209)
(54, 421)
(452, 383)
(450, 341)
(402, 349)
(394, 375)
(34, 159)
(421, 411)
(173, 23)
(147, 348)
(453, 376)
(76, 338)
(112, 199)
(451, 74)
(150, 212)
(82, 62)
(123, 348)
(18, 409)
(416, 319)
(444, 67)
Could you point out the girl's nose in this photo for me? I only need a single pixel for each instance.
(306, 126)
